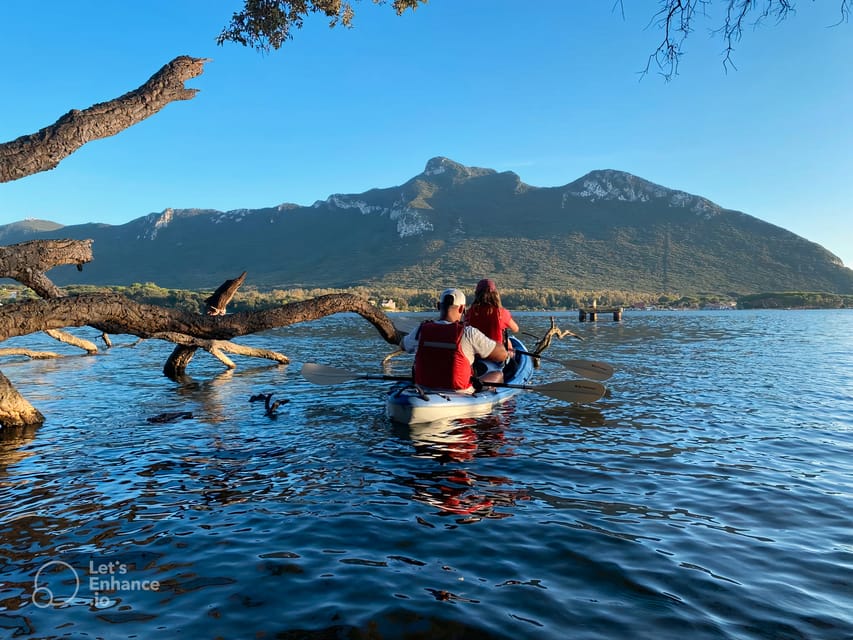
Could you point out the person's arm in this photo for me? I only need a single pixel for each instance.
(511, 324)
(485, 347)
(498, 354)
(410, 341)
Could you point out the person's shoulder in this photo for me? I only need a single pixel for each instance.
(475, 335)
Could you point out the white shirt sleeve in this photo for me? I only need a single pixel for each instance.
(410, 341)
(480, 344)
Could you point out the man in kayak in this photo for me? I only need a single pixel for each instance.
(445, 349)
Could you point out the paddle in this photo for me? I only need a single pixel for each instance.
(406, 325)
(322, 374)
(592, 369)
(578, 391)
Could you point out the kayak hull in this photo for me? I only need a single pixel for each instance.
(405, 405)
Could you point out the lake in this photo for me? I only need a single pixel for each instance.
(709, 495)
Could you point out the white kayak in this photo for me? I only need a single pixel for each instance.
(409, 404)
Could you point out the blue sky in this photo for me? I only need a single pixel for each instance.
(550, 93)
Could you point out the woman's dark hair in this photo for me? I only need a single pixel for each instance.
(487, 299)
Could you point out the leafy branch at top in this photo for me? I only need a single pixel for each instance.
(268, 24)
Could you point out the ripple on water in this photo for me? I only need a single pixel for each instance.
(706, 497)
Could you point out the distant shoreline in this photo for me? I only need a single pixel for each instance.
(392, 299)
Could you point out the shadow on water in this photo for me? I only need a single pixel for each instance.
(573, 415)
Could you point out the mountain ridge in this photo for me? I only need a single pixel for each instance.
(452, 223)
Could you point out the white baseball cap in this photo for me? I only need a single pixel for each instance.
(458, 296)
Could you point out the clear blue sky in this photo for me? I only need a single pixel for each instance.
(548, 90)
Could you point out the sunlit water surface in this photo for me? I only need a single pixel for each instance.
(710, 495)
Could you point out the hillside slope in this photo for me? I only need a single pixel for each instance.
(456, 224)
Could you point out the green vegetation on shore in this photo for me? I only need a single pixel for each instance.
(795, 300)
(249, 299)
(252, 299)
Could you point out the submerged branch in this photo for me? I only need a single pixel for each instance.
(121, 315)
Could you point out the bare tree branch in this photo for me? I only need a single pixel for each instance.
(27, 262)
(676, 19)
(148, 321)
(45, 149)
(126, 316)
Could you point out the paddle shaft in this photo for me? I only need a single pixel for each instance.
(536, 355)
(567, 390)
(587, 368)
(382, 376)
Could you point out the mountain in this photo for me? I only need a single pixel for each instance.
(454, 224)
(25, 229)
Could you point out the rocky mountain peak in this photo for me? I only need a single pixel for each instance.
(440, 165)
(609, 184)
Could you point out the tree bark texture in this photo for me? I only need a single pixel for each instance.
(217, 302)
(179, 360)
(45, 149)
(176, 365)
(27, 262)
(123, 315)
(15, 410)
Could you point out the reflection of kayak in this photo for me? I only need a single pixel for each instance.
(410, 405)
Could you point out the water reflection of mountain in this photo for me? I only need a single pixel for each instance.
(456, 490)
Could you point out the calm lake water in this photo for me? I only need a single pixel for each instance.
(709, 496)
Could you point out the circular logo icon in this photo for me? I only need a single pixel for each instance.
(43, 596)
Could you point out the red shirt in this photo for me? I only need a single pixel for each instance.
(490, 320)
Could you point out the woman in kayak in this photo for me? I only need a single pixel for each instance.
(487, 313)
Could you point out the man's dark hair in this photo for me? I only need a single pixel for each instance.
(446, 303)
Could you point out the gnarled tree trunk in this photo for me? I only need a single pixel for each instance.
(15, 411)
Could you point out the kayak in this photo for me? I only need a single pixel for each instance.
(409, 404)
(412, 404)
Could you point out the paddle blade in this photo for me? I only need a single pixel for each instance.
(592, 369)
(321, 374)
(406, 325)
(577, 391)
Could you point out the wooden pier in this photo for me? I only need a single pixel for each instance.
(590, 314)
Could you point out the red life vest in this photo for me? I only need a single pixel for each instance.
(439, 360)
(488, 320)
